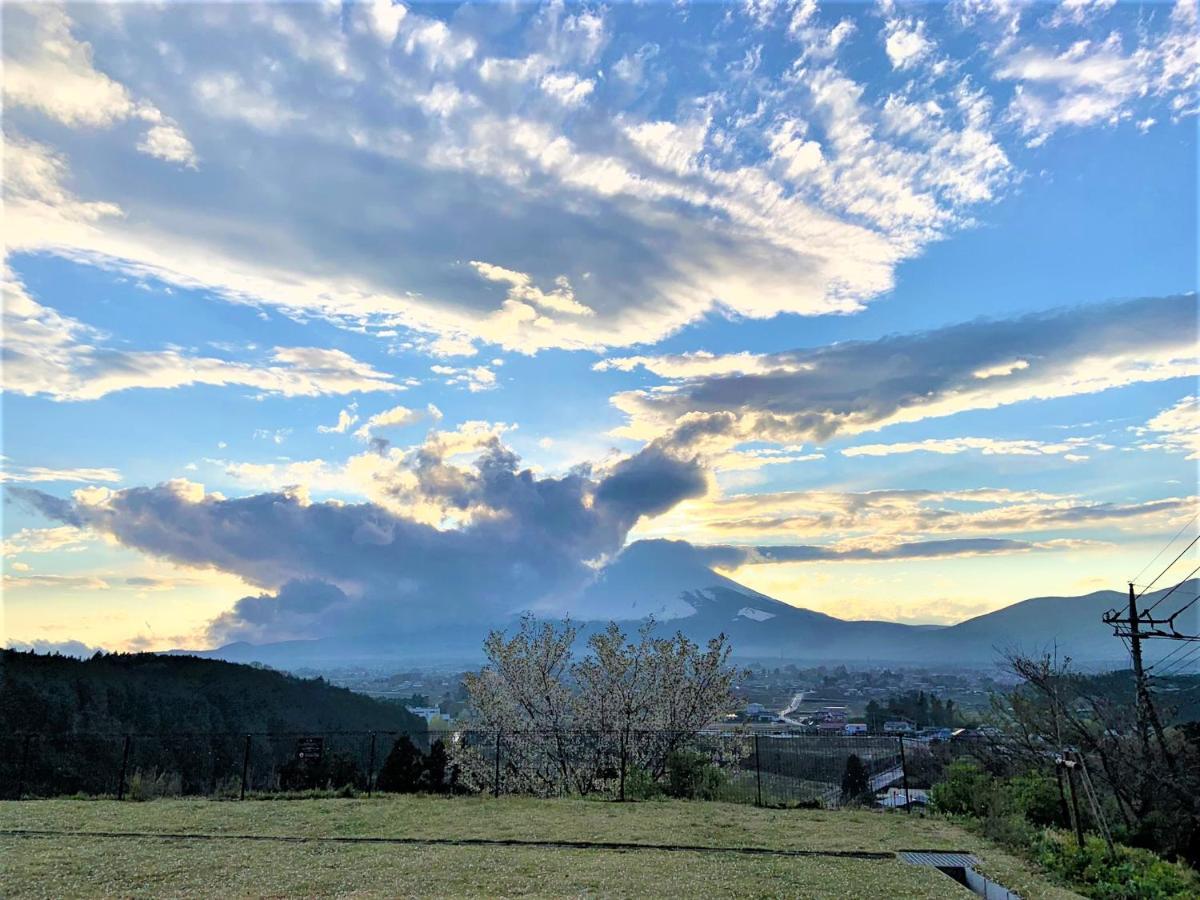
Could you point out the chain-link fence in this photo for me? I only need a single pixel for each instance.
(766, 769)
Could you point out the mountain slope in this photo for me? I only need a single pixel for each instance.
(673, 582)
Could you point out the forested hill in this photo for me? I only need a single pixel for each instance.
(149, 693)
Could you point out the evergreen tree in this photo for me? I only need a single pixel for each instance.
(437, 768)
(404, 768)
(855, 784)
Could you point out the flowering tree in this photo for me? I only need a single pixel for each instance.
(582, 722)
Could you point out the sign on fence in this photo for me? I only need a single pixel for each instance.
(309, 749)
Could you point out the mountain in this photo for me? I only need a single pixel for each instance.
(674, 582)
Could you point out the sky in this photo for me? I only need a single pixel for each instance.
(343, 318)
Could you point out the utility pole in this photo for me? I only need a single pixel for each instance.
(1147, 715)
(1139, 674)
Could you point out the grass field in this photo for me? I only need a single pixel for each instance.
(64, 865)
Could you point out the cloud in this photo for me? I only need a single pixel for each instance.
(732, 556)
(336, 568)
(47, 540)
(409, 119)
(41, 473)
(55, 582)
(167, 142)
(52, 355)
(1100, 81)
(346, 418)
(860, 386)
(1175, 429)
(397, 417)
(906, 42)
(883, 518)
(1071, 449)
(46, 68)
(473, 378)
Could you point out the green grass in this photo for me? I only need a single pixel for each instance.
(79, 866)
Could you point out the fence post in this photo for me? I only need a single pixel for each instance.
(124, 764)
(371, 766)
(757, 772)
(496, 780)
(1070, 766)
(904, 775)
(24, 765)
(212, 768)
(625, 739)
(245, 767)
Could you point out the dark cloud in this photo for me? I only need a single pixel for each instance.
(357, 569)
(727, 556)
(845, 388)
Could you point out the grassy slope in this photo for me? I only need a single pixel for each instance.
(66, 867)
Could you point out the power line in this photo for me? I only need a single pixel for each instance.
(1186, 579)
(1190, 545)
(1181, 662)
(1164, 548)
(1182, 646)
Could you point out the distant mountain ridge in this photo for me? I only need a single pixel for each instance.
(671, 581)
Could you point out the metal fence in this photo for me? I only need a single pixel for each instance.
(765, 769)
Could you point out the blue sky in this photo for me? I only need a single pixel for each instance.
(841, 276)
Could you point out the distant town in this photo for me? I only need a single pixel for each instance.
(785, 699)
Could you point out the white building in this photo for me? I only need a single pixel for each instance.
(425, 712)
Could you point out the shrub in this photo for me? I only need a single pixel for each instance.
(1128, 874)
(641, 785)
(154, 784)
(966, 790)
(1036, 797)
(691, 776)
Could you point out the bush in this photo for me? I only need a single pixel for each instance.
(1130, 874)
(966, 790)
(1036, 798)
(332, 771)
(152, 785)
(691, 776)
(641, 785)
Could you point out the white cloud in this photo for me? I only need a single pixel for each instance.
(167, 142)
(1098, 81)
(906, 42)
(1175, 429)
(473, 378)
(1070, 449)
(66, 538)
(567, 87)
(701, 363)
(798, 192)
(55, 582)
(48, 69)
(397, 417)
(9, 472)
(522, 291)
(385, 18)
(346, 418)
(59, 357)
